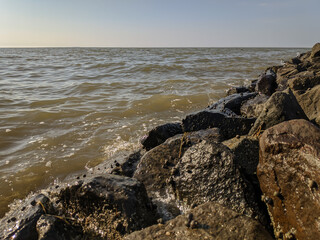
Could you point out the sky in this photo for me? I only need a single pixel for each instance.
(159, 23)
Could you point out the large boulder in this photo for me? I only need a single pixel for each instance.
(207, 221)
(161, 133)
(280, 107)
(284, 73)
(267, 83)
(229, 125)
(106, 206)
(190, 170)
(20, 222)
(288, 173)
(232, 102)
(253, 107)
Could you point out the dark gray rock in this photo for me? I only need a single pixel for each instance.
(229, 126)
(267, 83)
(234, 90)
(210, 221)
(253, 107)
(246, 153)
(20, 222)
(122, 164)
(187, 171)
(281, 106)
(232, 102)
(161, 133)
(107, 206)
(288, 173)
(51, 227)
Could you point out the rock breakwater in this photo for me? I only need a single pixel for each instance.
(245, 167)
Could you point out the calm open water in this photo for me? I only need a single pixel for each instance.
(66, 109)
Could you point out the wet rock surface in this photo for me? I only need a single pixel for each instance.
(207, 221)
(161, 133)
(202, 171)
(229, 126)
(288, 173)
(267, 83)
(107, 206)
(20, 222)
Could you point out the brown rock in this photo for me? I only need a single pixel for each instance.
(315, 52)
(310, 103)
(212, 221)
(280, 107)
(288, 173)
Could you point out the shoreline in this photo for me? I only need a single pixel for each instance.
(174, 175)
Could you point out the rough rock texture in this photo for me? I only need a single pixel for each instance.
(161, 133)
(280, 107)
(157, 167)
(246, 153)
(288, 173)
(253, 107)
(20, 222)
(204, 172)
(267, 83)
(51, 227)
(107, 206)
(122, 164)
(232, 102)
(207, 221)
(229, 126)
(284, 73)
(234, 90)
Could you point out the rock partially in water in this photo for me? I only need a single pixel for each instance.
(253, 107)
(280, 107)
(232, 102)
(288, 172)
(188, 171)
(229, 126)
(207, 221)
(267, 83)
(161, 133)
(20, 222)
(106, 206)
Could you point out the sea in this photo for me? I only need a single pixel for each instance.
(64, 110)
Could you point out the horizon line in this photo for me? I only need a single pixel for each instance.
(147, 47)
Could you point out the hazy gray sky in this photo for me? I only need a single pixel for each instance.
(160, 23)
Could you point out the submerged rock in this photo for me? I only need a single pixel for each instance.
(229, 126)
(207, 221)
(161, 133)
(107, 206)
(288, 172)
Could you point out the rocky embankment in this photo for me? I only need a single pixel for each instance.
(246, 167)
